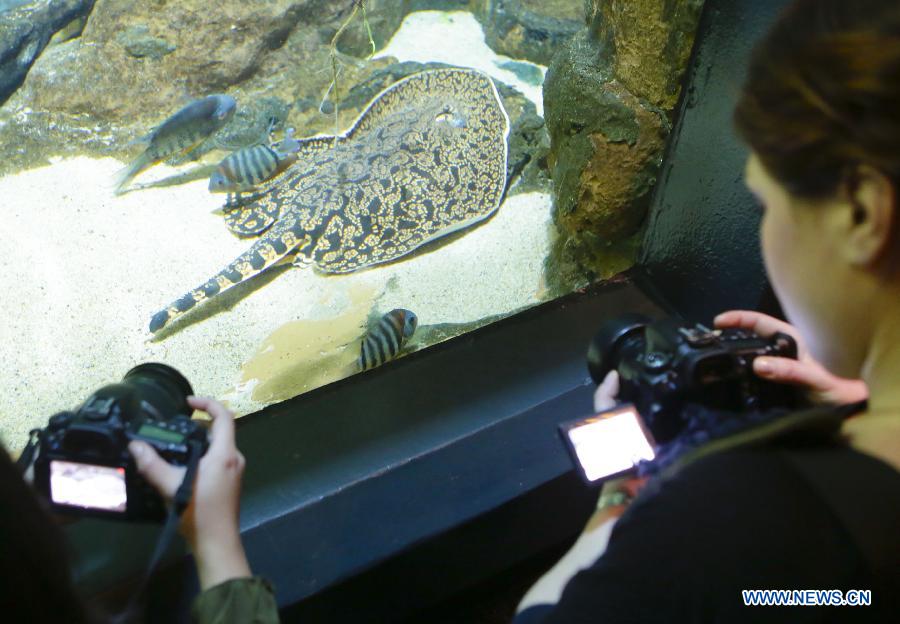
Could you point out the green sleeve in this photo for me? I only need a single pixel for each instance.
(238, 601)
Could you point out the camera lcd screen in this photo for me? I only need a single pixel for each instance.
(610, 443)
(151, 431)
(88, 486)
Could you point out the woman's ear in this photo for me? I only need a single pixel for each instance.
(871, 218)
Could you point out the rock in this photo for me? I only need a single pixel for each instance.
(614, 186)
(136, 63)
(528, 73)
(25, 30)
(529, 143)
(530, 29)
(93, 95)
(138, 42)
(385, 17)
(651, 42)
(609, 95)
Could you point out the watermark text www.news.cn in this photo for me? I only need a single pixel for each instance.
(807, 597)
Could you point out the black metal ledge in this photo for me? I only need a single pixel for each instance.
(367, 469)
(346, 477)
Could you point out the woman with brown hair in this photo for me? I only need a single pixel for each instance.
(820, 110)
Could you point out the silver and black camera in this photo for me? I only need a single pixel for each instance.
(83, 464)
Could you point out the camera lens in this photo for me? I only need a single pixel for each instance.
(162, 390)
(606, 347)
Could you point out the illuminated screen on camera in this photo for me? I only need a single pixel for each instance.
(159, 433)
(88, 486)
(610, 443)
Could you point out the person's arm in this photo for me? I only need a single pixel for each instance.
(210, 522)
(583, 553)
(614, 498)
(685, 549)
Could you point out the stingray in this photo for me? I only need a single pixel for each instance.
(425, 158)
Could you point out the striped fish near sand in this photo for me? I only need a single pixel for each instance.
(384, 340)
(247, 168)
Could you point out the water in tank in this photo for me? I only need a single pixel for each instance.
(268, 196)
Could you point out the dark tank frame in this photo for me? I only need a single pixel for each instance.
(384, 494)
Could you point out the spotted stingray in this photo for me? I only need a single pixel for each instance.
(425, 158)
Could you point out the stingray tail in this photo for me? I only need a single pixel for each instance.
(263, 254)
(127, 174)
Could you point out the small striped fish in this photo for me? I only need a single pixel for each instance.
(247, 168)
(384, 341)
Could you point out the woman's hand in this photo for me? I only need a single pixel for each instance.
(605, 399)
(605, 394)
(821, 386)
(210, 523)
(593, 539)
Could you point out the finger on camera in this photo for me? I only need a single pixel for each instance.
(605, 395)
(789, 371)
(158, 472)
(760, 323)
(221, 431)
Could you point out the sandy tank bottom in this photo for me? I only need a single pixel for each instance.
(82, 271)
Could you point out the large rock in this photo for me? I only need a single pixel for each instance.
(385, 17)
(137, 62)
(206, 51)
(651, 42)
(131, 68)
(25, 30)
(529, 144)
(608, 100)
(529, 29)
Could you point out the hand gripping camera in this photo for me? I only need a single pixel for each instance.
(83, 464)
(664, 365)
(679, 381)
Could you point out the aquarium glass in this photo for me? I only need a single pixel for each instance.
(267, 196)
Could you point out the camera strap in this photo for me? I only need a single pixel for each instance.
(27, 457)
(179, 503)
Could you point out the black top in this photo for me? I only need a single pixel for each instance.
(745, 519)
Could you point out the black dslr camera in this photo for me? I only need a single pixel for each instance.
(664, 365)
(83, 464)
(683, 386)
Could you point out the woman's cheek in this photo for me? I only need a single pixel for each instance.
(769, 249)
(776, 243)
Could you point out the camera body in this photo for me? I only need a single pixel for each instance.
(83, 464)
(664, 365)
